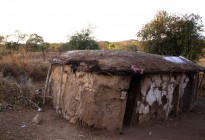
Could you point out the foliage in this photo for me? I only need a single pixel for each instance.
(129, 45)
(19, 36)
(111, 46)
(13, 93)
(63, 47)
(103, 45)
(13, 41)
(29, 42)
(174, 35)
(82, 41)
(1, 38)
(24, 64)
(53, 47)
(12, 46)
(35, 43)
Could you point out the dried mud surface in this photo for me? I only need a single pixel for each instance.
(17, 125)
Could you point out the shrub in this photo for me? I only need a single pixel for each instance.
(23, 64)
(13, 94)
(82, 41)
(174, 34)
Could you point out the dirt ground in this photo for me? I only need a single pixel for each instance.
(18, 125)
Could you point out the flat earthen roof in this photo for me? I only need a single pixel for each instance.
(120, 62)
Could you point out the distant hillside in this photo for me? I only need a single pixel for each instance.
(131, 44)
(127, 42)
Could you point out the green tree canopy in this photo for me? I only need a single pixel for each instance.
(13, 41)
(35, 43)
(1, 38)
(82, 41)
(173, 34)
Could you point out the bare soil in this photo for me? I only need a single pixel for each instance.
(18, 125)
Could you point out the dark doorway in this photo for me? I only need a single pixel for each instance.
(133, 94)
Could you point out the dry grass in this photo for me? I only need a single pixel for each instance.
(17, 71)
(14, 94)
(201, 62)
(24, 64)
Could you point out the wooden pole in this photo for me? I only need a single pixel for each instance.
(60, 89)
(198, 91)
(168, 84)
(179, 94)
(193, 95)
(46, 85)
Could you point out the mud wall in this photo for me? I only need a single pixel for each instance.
(87, 98)
(162, 94)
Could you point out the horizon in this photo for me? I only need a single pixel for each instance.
(114, 21)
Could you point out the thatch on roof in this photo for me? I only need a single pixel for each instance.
(120, 62)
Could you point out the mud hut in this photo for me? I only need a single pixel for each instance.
(106, 89)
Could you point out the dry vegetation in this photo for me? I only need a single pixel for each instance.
(20, 75)
(28, 65)
(13, 94)
(131, 45)
(201, 62)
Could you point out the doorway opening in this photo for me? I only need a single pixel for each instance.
(133, 95)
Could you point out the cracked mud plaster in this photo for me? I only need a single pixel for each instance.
(90, 99)
(156, 88)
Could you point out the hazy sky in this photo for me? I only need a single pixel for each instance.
(113, 20)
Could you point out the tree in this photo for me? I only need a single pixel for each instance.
(2, 46)
(82, 41)
(111, 46)
(129, 45)
(12, 46)
(19, 36)
(44, 47)
(1, 38)
(2, 41)
(173, 34)
(16, 40)
(63, 47)
(35, 43)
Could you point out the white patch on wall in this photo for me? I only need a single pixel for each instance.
(146, 110)
(123, 95)
(158, 95)
(157, 80)
(154, 93)
(150, 98)
(165, 80)
(165, 107)
(154, 87)
(184, 83)
(170, 92)
(145, 87)
(143, 109)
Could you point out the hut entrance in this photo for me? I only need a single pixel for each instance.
(133, 94)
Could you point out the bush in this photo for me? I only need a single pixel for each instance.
(13, 94)
(17, 71)
(63, 47)
(23, 64)
(82, 41)
(174, 34)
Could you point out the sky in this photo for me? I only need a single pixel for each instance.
(113, 20)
